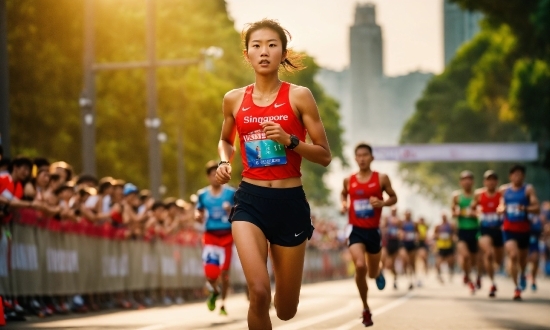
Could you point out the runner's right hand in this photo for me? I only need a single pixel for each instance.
(344, 208)
(223, 173)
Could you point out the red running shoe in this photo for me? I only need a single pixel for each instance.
(466, 279)
(367, 318)
(493, 290)
(517, 295)
(472, 287)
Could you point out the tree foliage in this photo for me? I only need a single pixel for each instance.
(45, 44)
(496, 89)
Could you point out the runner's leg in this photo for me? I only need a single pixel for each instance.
(358, 252)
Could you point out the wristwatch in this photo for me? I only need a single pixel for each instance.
(294, 141)
(224, 162)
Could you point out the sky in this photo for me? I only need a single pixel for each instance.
(412, 30)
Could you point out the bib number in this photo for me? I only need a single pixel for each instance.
(444, 236)
(490, 218)
(410, 236)
(262, 152)
(363, 209)
(514, 212)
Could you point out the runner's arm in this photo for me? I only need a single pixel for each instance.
(226, 146)
(455, 210)
(318, 151)
(344, 196)
(386, 185)
(534, 205)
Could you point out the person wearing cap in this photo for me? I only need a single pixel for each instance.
(468, 227)
(518, 201)
(130, 216)
(485, 204)
(213, 208)
(64, 170)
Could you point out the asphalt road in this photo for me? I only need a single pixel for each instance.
(335, 305)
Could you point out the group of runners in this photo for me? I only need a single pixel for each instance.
(268, 214)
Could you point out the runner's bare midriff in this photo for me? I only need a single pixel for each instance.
(283, 183)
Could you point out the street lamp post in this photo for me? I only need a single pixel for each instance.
(152, 122)
(4, 82)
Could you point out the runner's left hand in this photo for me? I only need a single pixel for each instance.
(375, 202)
(275, 132)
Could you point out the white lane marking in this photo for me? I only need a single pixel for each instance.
(316, 319)
(377, 311)
(155, 327)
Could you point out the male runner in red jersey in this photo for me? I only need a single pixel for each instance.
(365, 190)
(485, 203)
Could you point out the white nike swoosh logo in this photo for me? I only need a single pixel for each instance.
(296, 235)
(279, 105)
(244, 109)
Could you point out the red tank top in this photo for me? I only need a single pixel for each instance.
(264, 159)
(361, 212)
(489, 204)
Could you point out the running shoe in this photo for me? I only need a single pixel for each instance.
(395, 285)
(223, 311)
(517, 294)
(380, 282)
(478, 282)
(411, 286)
(522, 282)
(472, 287)
(493, 290)
(367, 318)
(419, 283)
(534, 287)
(211, 301)
(466, 280)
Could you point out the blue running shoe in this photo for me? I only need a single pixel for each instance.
(534, 287)
(522, 282)
(380, 282)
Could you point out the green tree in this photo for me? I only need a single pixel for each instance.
(45, 52)
(496, 89)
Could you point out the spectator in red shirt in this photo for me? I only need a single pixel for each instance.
(11, 187)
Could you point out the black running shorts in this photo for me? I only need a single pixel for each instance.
(370, 237)
(282, 214)
(522, 239)
(496, 235)
(469, 236)
(410, 246)
(392, 246)
(443, 253)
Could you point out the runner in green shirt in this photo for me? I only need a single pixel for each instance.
(468, 227)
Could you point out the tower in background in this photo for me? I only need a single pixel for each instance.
(366, 66)
(459, 26)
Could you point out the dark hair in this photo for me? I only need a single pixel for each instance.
(5, 162)
(293, 60)
(157, 204)
(517, 167)
(363, 145)
(210, 166)
(86, 178)
(21, 161)
(41, 161)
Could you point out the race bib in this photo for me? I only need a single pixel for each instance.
(363, 208)
(218, 213)
(393, 231)
(444, 236)
(7, 194)
(514, 211)
(262, 152)
(490, 217)
(410, 236)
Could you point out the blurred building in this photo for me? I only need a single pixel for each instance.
(374, 107)
(459, 26)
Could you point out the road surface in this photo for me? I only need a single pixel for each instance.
(335, 305)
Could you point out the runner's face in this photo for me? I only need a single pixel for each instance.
(22, 173)
(490, 183)
(466, 183)
(42, 179)
(444, 218)
(517, 178)
(363, 158)
(265, 51)
(408, 215)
